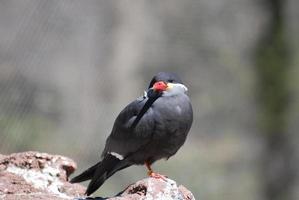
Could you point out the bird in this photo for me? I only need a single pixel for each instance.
(150, 128)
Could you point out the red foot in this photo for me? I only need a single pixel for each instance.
(158, 176)
(153, 174)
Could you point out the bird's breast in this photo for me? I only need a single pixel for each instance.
(173, 107)
(173, 114)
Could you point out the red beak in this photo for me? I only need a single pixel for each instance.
(160, 86)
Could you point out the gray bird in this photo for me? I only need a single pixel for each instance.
(150, 128)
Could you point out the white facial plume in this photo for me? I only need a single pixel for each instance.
(175, 89)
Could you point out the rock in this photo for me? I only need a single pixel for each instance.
(34, 175)
(153, 188)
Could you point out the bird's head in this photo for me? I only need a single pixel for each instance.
(168, 84)
(163, 84)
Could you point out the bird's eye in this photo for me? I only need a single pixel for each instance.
(170, 81)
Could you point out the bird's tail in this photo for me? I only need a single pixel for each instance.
(86, 175)
(100, 172)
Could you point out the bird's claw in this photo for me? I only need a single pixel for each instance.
(157, 176)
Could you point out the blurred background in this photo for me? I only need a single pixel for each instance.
(68, 67)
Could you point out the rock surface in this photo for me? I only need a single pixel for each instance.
(153, 188)
(34, 175)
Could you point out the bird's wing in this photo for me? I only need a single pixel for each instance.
(124, 139)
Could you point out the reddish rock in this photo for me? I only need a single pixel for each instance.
(34, 175)
(153, 188)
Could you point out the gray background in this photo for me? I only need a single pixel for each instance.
(67, 68)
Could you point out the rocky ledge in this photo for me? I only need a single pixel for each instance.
(34, 175)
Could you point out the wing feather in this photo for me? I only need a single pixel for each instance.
(124, 140)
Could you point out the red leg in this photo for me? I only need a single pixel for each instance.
(152, 174)
(148, 166)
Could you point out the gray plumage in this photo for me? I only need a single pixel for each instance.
(159, 132)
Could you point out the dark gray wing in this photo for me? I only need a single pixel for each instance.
(124, 140)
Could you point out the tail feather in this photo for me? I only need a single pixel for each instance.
(107, 168)
(86, 175)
